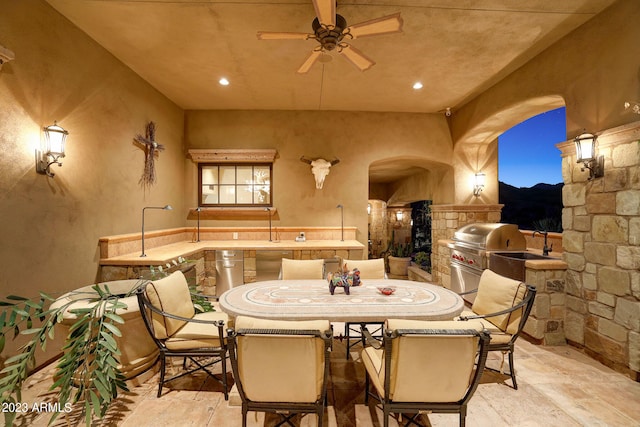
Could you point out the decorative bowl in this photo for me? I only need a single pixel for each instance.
(386, 290)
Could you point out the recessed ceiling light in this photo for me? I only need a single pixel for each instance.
(223, 81)
(417, 85)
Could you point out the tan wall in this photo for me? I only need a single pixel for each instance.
(593, 70)
(357, 139)
(50, 226)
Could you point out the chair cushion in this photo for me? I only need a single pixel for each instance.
(198, 335)
(281, 368)
(302, 269)
(496, 293)
(498, 337)
(170, 294)
(369, 268)
(418, 360)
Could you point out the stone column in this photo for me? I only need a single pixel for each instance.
(601, 240)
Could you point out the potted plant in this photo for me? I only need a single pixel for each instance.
(423, 260)
(400, 258)
(89, 372)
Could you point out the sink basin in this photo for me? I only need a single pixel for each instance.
(512, 264)
(521, 255)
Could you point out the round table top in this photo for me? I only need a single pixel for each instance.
(311, 299)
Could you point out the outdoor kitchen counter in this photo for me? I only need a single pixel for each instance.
(161, 255)
(555, 261)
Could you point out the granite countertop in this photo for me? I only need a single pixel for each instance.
(166, 253)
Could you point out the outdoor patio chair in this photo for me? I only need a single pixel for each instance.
(503, 306)
(302, 269)
(369, 269)
(170, 317)
(281, 366)
(420, 366)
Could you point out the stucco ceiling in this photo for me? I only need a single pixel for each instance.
(456, 48)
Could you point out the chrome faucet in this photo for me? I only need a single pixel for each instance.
(545, 249)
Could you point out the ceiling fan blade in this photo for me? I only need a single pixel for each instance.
(268, 35)
(357, 58)
(308, 63)
(375, 27)
(325, 11)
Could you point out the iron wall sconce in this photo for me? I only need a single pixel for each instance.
(55, 138)
(586, 154)
(399, 216)
(166, 208)
(478, 183)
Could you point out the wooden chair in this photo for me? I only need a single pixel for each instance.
(503, 306)
(170, 317)
(281, 366)
(425, 366)
(369, 269)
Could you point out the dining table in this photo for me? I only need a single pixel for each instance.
(311, 299)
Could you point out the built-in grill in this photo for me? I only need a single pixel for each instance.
(471, 247)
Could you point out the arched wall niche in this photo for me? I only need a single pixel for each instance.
(402, 180)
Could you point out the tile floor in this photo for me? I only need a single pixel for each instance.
(558, 386)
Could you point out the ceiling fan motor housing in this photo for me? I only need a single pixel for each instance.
(328, 36)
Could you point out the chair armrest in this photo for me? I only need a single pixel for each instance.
(472, 291)
(184, 319)
(209, 297)
(497, 313)
(369, 338)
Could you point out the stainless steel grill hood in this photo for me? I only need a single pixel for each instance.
(490, 237)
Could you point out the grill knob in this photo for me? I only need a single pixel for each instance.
(471, 262)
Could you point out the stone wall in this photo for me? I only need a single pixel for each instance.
(546, 320)
(601, 222)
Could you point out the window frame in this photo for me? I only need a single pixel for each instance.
(204, 165)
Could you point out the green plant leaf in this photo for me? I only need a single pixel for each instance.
(109, 342)
(16, 298)
(114, 317)
(114, 329)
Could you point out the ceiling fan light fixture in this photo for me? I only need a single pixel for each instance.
(329, 36)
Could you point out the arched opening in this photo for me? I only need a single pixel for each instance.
(400, 191)
(530, 172)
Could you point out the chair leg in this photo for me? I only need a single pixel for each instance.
(366, 388)
(223, 361)
(463, 416)
(163, 366)
(512, 370)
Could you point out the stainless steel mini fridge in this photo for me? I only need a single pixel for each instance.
(229, 270)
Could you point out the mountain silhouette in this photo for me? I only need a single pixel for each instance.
(532, 208)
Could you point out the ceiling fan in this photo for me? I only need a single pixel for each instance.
(330, 30)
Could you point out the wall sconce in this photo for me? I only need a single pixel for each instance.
(166, 208)
(478, 183)
(6, 55)
(368, 208)
(634, 106)
(399, 215)
(54, 137)
(586, 154)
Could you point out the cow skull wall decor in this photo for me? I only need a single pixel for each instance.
(319, 169)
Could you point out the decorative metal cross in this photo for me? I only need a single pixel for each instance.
(150, 147)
